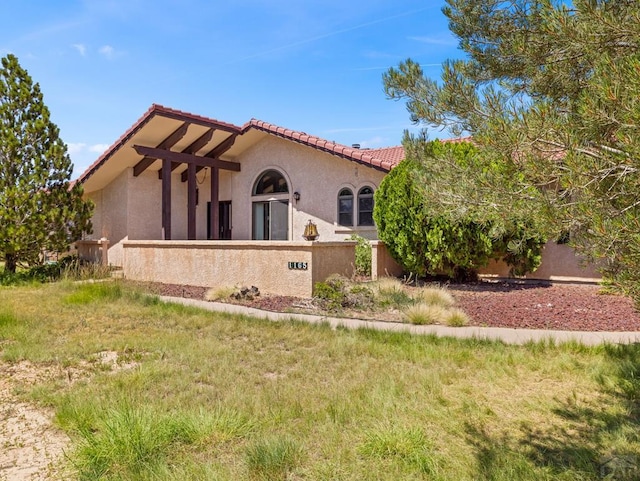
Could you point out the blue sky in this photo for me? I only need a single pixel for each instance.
(314, 66)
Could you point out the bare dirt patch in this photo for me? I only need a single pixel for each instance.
(31, 448)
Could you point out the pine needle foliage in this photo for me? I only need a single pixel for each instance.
(40, 209)
(550, 92)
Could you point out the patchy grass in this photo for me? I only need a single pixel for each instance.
(222, 397)
(423, 313)
(456, 318)
(219, 293)
(435, 295)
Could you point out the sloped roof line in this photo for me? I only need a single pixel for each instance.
(155, 109)
(383, 159)
(362, 156)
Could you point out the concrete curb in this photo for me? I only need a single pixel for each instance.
(506, 335)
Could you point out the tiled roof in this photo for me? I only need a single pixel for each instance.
(391, 155)
(155, 109)
(382, 159)
(362, 156)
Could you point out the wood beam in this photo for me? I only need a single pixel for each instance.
(167, 143)
(195, 146)
(215, 153)
(199, 143)
(215, 203)
(166, 199)
(220, 149)
(172, 156)
(191, 202)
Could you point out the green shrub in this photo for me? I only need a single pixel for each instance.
(363, 255)
(330, 293)
(428, 239)
(359, 296)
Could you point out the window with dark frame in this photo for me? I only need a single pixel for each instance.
(365, 206)
(271, 182)
(345, 207)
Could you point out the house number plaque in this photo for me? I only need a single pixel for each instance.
(300, 266)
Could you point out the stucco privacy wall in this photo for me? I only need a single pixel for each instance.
(382, 264)
(317, 176)
(264, 264)
(559, 263)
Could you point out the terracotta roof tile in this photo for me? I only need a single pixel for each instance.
(382, 159)
(383, 162)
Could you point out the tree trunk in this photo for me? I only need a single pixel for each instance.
(10, 263)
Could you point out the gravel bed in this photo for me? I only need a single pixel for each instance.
(572, 307)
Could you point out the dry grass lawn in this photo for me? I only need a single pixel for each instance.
(200, 395)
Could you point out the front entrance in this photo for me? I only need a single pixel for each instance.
(271, 220)
(270, 208)
(224, 222)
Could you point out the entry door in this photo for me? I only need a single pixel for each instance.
(224, 220)
(271, 220)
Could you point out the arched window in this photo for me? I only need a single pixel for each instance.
(271, 182)
(365, 206)
(271, 211)
(345, 207)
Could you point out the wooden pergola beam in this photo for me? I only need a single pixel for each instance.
(220, 149)
(215, 153)
(195, 146)
(186, 158)
(167, 143)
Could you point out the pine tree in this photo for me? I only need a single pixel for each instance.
(551, 90)
(40, 209)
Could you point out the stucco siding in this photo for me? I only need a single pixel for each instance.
(559, 263)
(238, 263)
(110, 215)
(317, 176)
(145, 207)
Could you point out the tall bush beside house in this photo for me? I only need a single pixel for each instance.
(426, 239)
(40, 209)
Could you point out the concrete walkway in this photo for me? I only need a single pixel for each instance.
(507, 335)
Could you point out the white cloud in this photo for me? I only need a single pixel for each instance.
(108, 51)
(75, 147)
(81, 48)
(98, 148)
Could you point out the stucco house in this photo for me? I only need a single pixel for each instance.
(185, 198)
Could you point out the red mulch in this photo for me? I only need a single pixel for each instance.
(536, 306)
(568, 307)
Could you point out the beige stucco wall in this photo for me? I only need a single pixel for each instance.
(110, 215)
(238, 263)
(317, 176)
(131, 207)
(382, 264)
(559, 263)
(145, 205)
